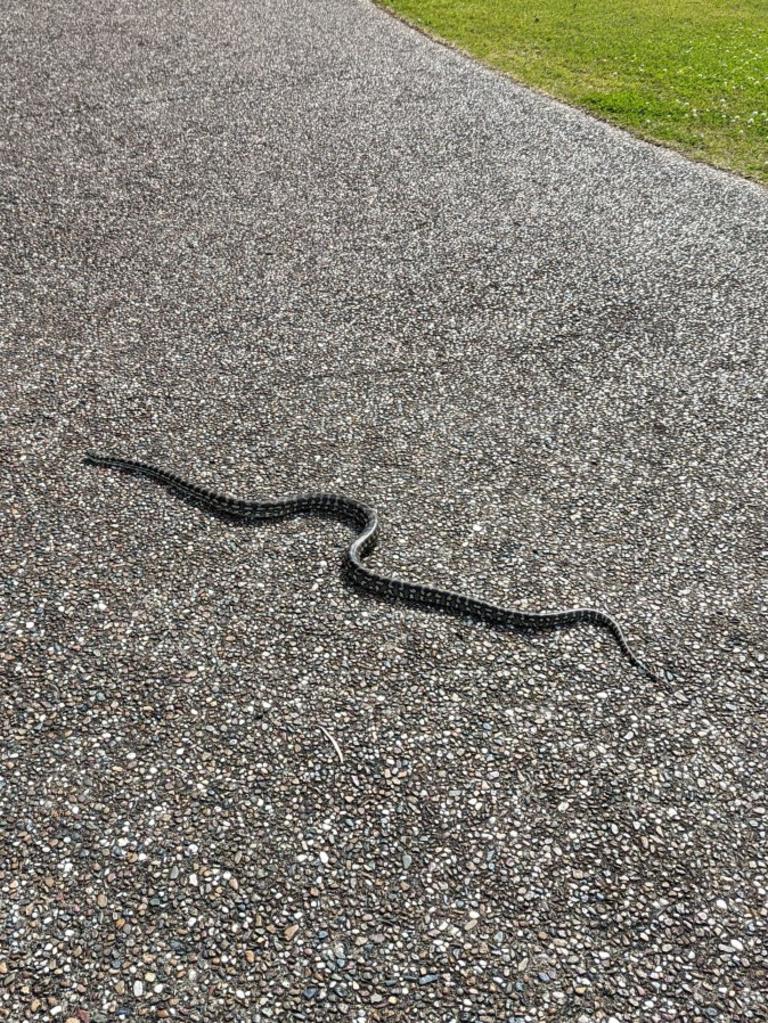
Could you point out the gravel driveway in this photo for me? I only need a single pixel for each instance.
(292, 244)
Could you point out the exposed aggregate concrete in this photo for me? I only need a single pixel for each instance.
(294, 245)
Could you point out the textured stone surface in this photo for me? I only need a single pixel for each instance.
(293, 245)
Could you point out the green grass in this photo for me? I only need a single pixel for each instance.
(691, 74)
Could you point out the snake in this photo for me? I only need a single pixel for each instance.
(365, 520)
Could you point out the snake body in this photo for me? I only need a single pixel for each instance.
(364, 519)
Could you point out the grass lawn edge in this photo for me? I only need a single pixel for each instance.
(690, 155)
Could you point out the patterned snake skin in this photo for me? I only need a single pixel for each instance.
(364, 519)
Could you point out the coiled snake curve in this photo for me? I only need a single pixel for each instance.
(364, 519)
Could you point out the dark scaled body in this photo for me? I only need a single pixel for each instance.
(364, 520)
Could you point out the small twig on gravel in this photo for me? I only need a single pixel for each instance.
(333, 742)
